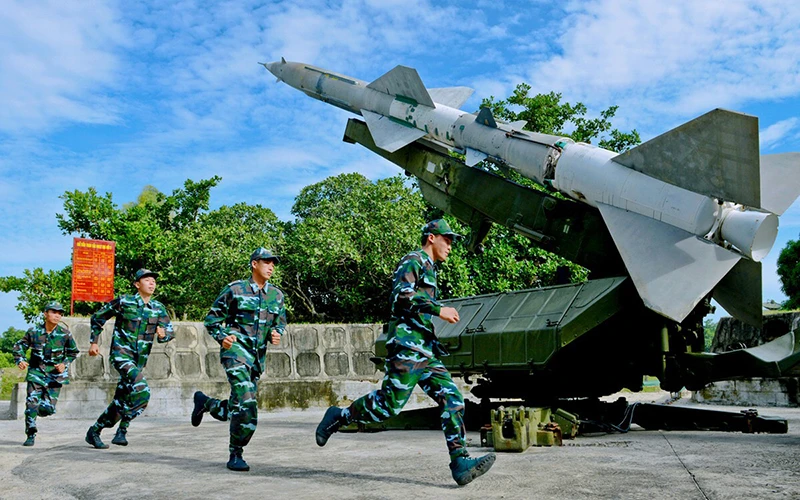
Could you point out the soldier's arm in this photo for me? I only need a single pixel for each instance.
(165, 323)
(407, 298)
(71, 350)
(218, 314)
(100, 318)
(20, 347)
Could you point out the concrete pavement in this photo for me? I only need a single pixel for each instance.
(168, 458)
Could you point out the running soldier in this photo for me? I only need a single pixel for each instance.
(139, 319)
(412, 357)
(52, 350)
(246, 315)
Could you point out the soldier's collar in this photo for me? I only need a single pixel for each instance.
(254, 286)
(428, 257)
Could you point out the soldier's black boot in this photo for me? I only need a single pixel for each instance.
(93, 438)
(465, 469)
(237, 463)
(199, 408)
(29, 441)
(331, 422)
(119, 437)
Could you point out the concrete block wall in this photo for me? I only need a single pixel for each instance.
(734, 334)
(314, 366)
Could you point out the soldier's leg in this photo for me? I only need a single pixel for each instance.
(403, 370)
(47, 406)
(218, 408)
(137, 398)
(242, 405)
(116, 409)
(32, 401)
(438, 384)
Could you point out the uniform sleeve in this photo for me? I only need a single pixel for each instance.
(407, 299)
(164, 322)
(100, 317)
(70, 348)
(21, 346)
(215, 320)
(279, 324)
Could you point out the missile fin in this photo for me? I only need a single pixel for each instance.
(715, 155)
(453, 97)
(485, 118)
(474, 157)
(672, 269)
(518, 125)
(739, 292)
(387, 134)
(780, 181)
(403, 81)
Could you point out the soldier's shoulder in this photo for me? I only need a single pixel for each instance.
(277, 291)
(237, 286)
(64, 328)
(157, 304)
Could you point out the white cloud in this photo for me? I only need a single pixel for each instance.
(53, 57)
(775, 133)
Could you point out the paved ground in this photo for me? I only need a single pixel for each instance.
(170, 458)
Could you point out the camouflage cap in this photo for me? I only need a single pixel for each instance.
(143, 273)
(262, 253)
(440, 226)
(53, 306)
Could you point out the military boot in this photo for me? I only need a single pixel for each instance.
(237, 463)
(199, 408)
(331, 422)
(119, 437)
(93, 438)
(465, 468)
(29, 441)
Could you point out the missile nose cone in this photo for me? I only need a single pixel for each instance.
(273, 68)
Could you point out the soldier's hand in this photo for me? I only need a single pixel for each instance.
(94, 350)
(60, 367)
(276, 338)
(449, 314)
(161, 332)
(23, 365)
(228, 341)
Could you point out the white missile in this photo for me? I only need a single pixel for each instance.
(683, 209)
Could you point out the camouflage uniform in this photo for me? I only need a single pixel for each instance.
(249, 313)
(134, 330)
(44, 382)
(412, 355)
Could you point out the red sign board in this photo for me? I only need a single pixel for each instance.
(92, 270)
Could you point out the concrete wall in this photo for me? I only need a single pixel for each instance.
(315, 365)
(734, 334)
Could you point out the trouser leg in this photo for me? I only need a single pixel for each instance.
(32, 401)
(47, 405)
(403, 370)
(242, 405)
(438, 384)
(130, 398)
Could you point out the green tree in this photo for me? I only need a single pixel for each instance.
(9, 338)
(546, 113)
(342, 249)
(196, 251)
(709, 330)
(789, 274)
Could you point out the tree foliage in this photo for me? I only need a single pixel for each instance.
(195, 251)
(789, 274)
(545, 113)
(342, 248)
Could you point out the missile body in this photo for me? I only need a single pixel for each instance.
(682, 209)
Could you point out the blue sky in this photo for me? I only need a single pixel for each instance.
(118, 95)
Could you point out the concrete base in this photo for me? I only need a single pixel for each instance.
(168, 458)
(784, 391)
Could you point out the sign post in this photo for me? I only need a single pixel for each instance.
(92, 271)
